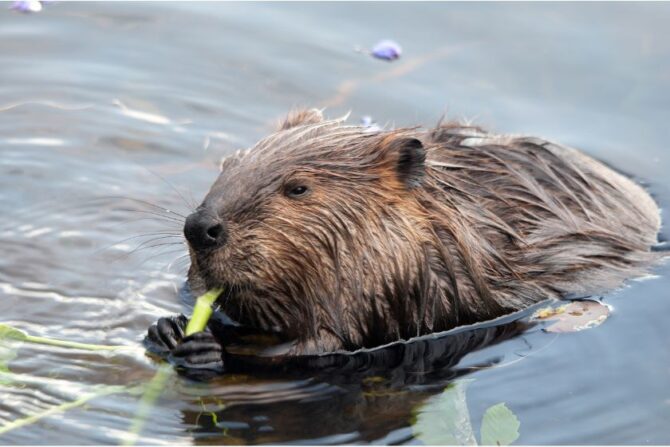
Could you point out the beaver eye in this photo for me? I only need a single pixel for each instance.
(297, 191)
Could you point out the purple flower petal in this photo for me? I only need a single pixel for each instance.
(27, 6)
(387, 50)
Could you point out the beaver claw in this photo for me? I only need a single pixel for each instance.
(166, 334)
(199, 351)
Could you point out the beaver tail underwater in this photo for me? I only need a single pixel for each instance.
(336, 237)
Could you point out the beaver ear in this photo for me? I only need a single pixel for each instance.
(301, 117)
(410, 160)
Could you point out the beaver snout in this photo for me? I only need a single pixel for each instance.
(203, 230)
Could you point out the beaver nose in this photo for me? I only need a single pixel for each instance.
(203, 230)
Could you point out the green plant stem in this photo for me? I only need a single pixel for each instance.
(152, 390)
(72, 344)
(202, 311)
(61, 408)
(201, 314)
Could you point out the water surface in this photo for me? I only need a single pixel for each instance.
(103, 103)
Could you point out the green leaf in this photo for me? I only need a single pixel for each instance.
(10, 333)
(499, 426)
(445, 418)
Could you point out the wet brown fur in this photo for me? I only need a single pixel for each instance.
(411, 231)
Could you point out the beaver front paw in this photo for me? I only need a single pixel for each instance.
(199, 353)
(165, 335)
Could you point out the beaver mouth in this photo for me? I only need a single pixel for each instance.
(235, 298)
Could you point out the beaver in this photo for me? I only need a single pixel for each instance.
(335, 237)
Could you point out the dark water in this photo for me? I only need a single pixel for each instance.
(104, 101)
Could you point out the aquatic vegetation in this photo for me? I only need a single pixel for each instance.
(202, 311)
(11, 333)
(8, 378)
(149, 391)
(500, 426)
(445, 420)
(150, 394)
(574, 316)
(102, 391)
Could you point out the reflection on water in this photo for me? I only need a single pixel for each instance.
(113, 119)
(377, 389)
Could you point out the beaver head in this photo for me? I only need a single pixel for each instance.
(307, 229)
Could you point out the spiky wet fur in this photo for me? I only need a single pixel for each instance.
(398, 239)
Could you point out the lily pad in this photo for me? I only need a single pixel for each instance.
(499, 426)
(574, 316)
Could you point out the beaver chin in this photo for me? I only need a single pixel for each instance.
(251, 307)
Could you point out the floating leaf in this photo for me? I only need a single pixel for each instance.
(10, 333)
(499, 426)
(573, 317)
(445, 418)
(387, 50)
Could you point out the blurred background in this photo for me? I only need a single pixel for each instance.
(112, 113)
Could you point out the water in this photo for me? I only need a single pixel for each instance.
(104, 103)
